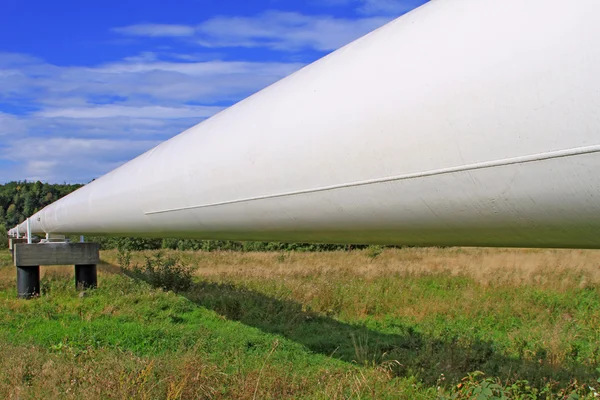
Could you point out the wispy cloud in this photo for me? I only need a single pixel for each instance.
(199, 69)
(11, 125)
(83, 158)
(276, 30)
(141, 81)
(61, 114)
(118, 127)
(152, 112)
(285, 31)
(155, 30)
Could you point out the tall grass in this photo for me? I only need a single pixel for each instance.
(402, 323)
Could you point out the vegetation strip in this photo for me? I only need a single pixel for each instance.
(393, 323)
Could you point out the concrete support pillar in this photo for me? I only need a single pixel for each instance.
(28, 281)
(28, 257)
(86, 276)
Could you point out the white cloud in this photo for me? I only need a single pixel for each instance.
(39, 168)
(77, 123)
(53, 149)
(152, 112)
(205, 68)
(113, 128)
(11, 125)
(284, 31)
(50, 159)
(155, 30)
(137, 81)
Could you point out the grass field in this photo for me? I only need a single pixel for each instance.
(405, 323)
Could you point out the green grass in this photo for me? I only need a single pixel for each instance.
(341, 325)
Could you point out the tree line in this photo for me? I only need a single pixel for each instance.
(19, 200)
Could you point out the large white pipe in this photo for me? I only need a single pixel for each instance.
(464, 122)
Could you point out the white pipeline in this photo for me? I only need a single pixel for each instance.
(464, 122)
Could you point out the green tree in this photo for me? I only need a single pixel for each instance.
(11, 215)
(3, 236)
(29, 205)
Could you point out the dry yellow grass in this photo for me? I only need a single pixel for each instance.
(546, 268)
(356, 285)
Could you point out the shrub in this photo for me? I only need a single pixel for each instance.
(167, 273)
(374, 251)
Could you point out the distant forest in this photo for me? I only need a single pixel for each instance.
(19, 200)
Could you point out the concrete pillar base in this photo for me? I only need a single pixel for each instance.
(86, 276)
(28, 282)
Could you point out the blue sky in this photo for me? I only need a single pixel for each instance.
(88, 85)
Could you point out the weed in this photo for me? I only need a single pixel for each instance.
(167, 273)
(374, 251)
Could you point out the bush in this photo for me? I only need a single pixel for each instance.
(374, 251)
(167, 273)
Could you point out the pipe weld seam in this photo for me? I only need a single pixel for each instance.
(441, 171)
